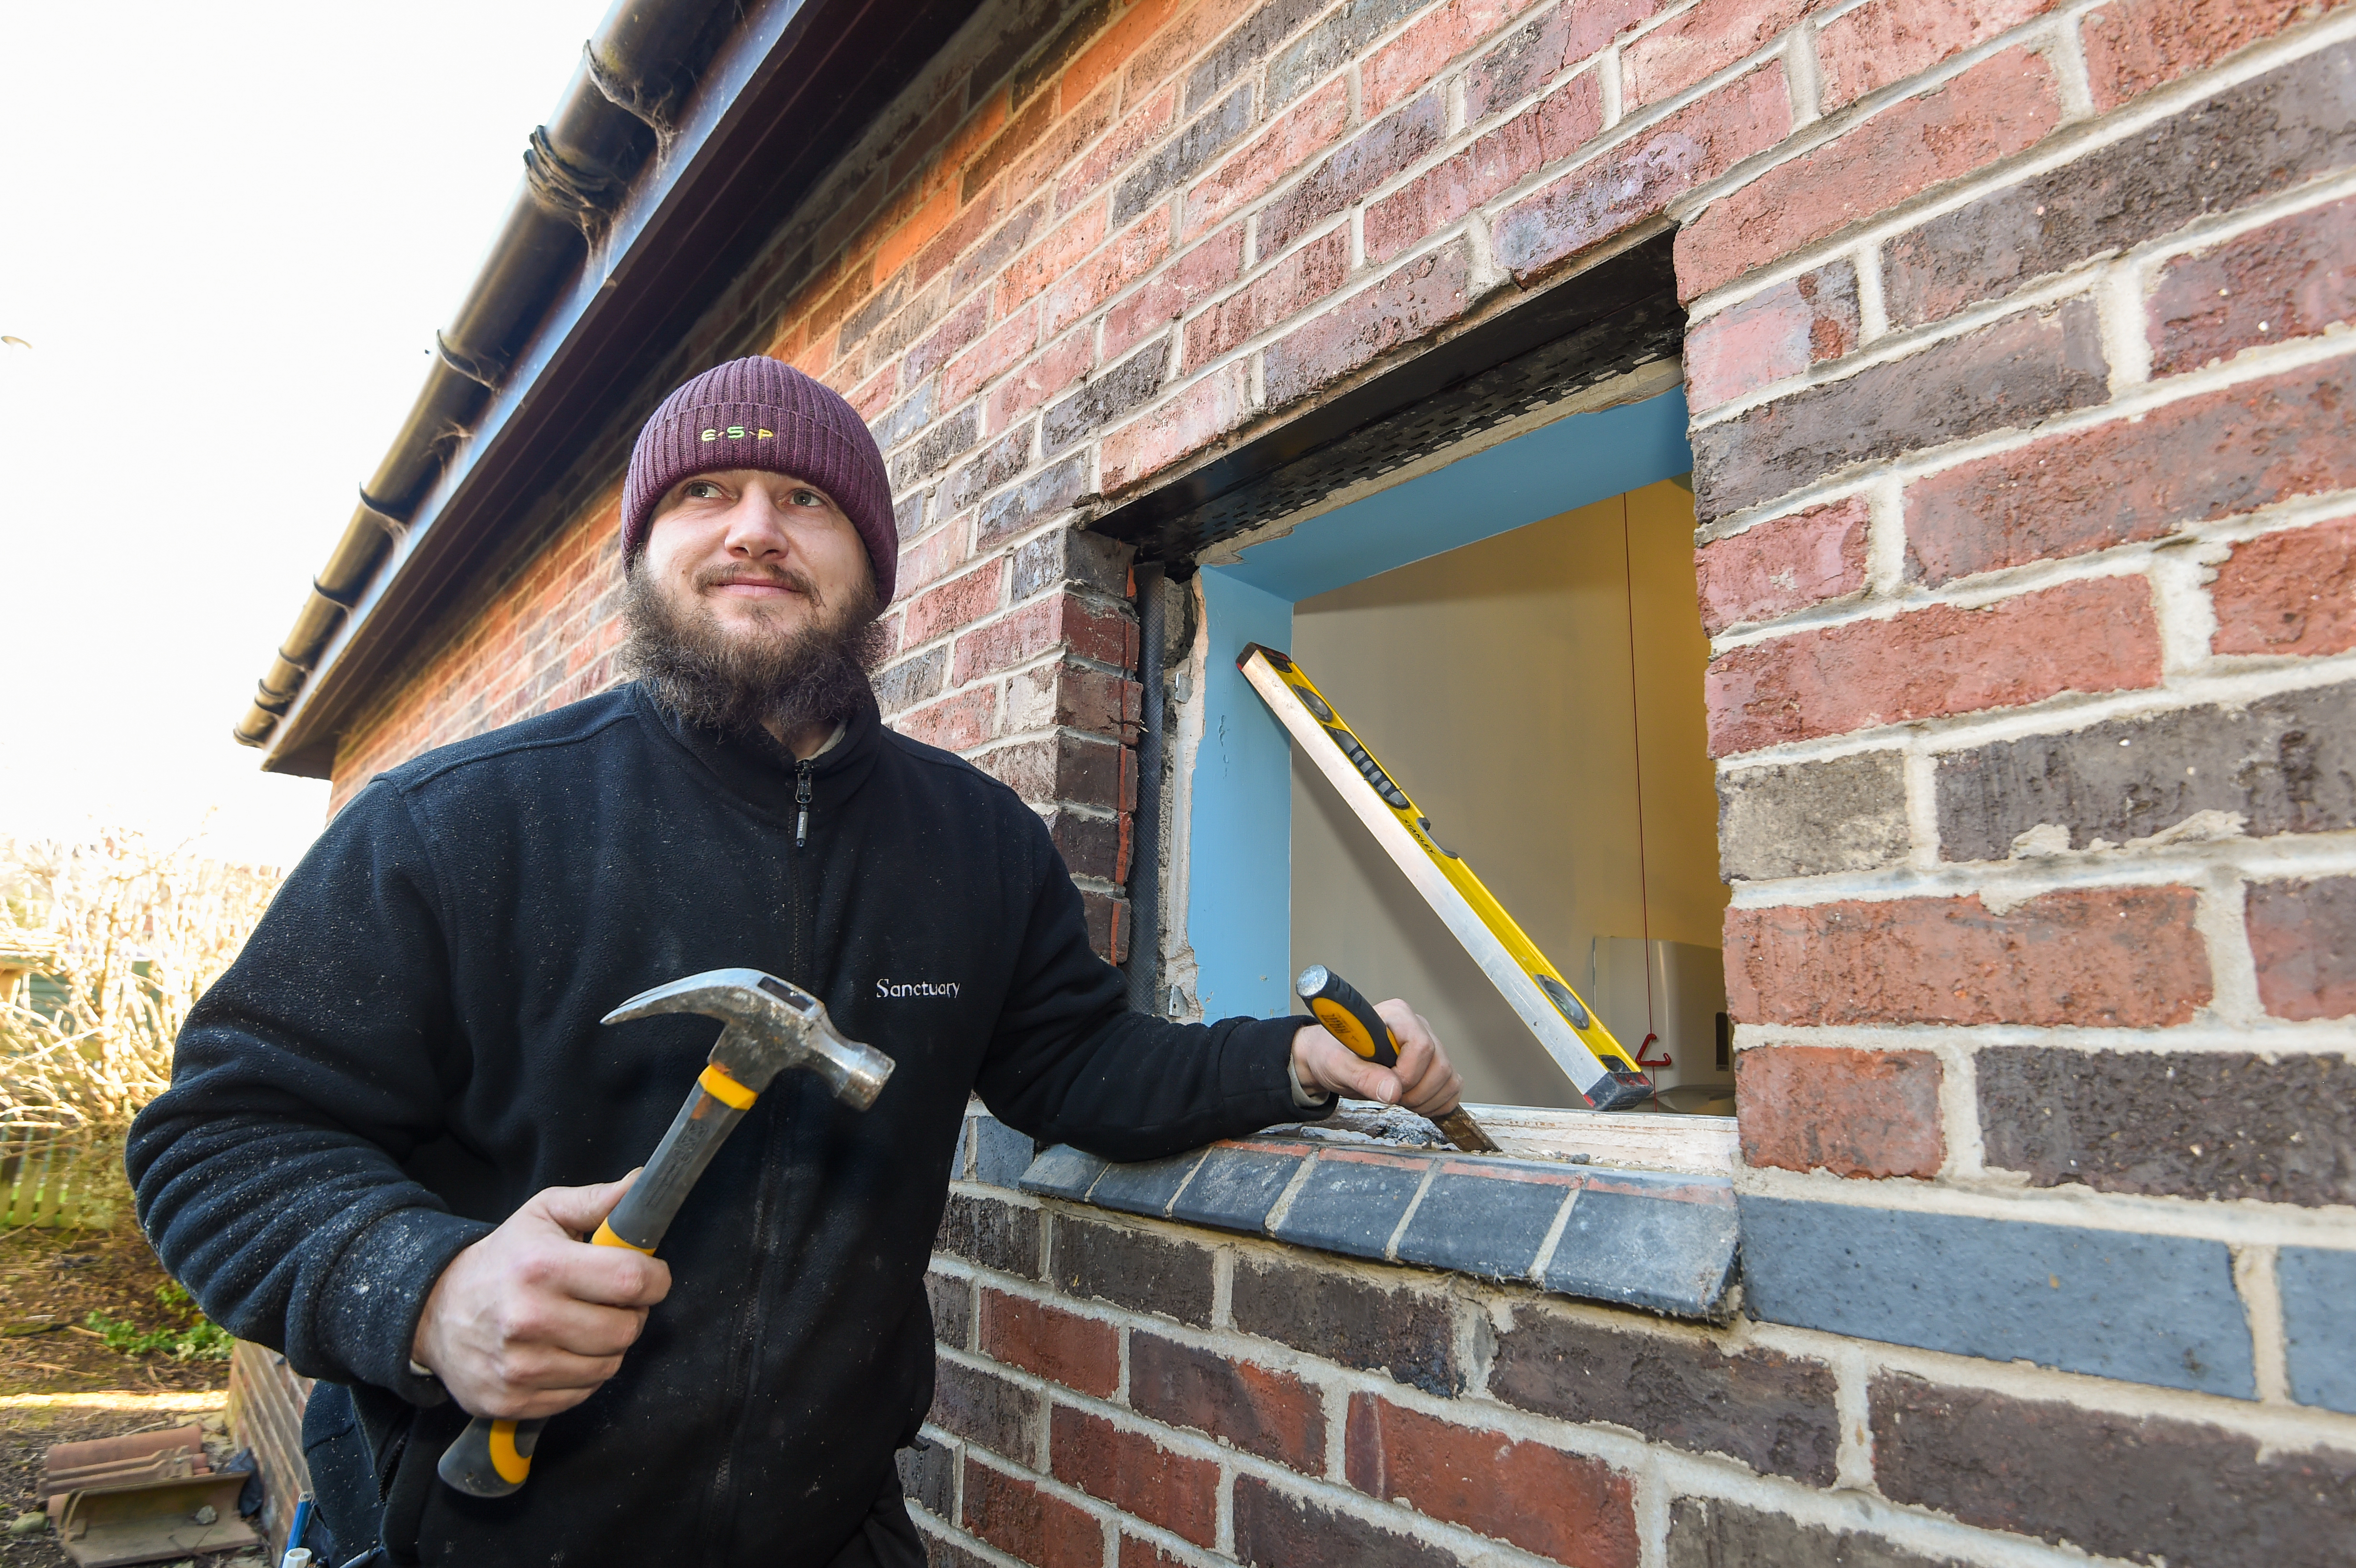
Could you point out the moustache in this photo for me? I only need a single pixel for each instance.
(784, 577)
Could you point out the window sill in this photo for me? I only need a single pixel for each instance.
(1566, 1209)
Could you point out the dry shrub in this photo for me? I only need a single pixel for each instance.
(131, 930)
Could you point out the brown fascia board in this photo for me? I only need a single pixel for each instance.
(794, 85)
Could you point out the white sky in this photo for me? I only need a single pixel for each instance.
(229, 232)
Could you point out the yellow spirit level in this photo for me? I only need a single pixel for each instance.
(1580, 1045)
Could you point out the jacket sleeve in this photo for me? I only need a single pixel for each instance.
(269, 1177)
(1071, 1063)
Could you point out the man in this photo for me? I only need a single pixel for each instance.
(396, 1116)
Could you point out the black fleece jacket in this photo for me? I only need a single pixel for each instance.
(408, 1048)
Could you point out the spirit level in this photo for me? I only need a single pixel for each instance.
(1573, 1035)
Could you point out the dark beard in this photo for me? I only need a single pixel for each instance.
(793, 681)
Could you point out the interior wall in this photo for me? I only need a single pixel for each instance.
(1538, 693)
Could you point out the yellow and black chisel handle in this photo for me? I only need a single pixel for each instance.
(1352, 1019)
(492, 1456)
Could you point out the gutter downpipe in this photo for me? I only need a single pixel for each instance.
(617, 114)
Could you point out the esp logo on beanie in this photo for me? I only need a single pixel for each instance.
(738, 433)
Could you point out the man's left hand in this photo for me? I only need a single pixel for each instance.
(1423, 1082)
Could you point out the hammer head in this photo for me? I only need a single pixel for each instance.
(773, 1025)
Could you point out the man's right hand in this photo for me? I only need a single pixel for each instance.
(528, 1320)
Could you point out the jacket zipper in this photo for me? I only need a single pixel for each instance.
(723, 1504)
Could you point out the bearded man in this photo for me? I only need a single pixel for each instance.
(394, 1120)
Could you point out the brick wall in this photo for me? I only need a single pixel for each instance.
(265, 1414)
(2019, 377)
(1122, 1391)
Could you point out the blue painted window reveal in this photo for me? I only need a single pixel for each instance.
(1240, 830)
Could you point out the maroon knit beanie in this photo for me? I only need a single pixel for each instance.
(756, 412)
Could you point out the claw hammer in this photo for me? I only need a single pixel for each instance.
(772, 1025)
(1352, 1019)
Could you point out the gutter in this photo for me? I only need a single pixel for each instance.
(616, 115)
(692, 130)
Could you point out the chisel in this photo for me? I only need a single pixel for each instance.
(1352, 1019)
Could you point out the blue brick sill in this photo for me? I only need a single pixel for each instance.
(1660, 1241)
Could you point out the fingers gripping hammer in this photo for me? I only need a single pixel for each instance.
(772, 1025)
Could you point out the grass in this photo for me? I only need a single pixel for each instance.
(196, 1338)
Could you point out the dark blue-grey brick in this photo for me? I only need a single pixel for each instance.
(1634, 1243)
(1146, 1186)
(1483, 1222)
(1000, 1155)
(2114, 1304)
(1247, 43)
(1184, 156)
(2319, 1305)
(1332, 41)
(1062, 1172)
(1352, 1202)
(1127, 385)
(2285, 764)
(1236, 1188)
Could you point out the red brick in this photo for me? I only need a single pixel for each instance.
(1886, 41)
(872, 396)
(1777, 567)
(1138, 1553)
(2134, 45)
(1399, 68)
(1566, 35)
(951, 336)
(1853, 1113)
(1135, 1474)
(1081, 1353)
(956, 723)
(1133, 252)
(1635, 181)
(2303, 938)
(1271, 1414)
(1174, 291)
(1052, 256)
(2196, 460)
(1175, 429)
(1374, 156)
(1065, 140)
(2287, 280)
(1103, 60)
(956, 604)
(2097, 636)
(1427, 292)
(1572, 1509)
(2093, 957)
(992, 356)
(1307, 129)
(1016, 1517)
(1044, 624)
(1781, 332)
(1059, 365)
(1995, 108)
(939, 553)
(1080, 770)
(954, 241)
(1194, 29)
(2289, 593)
(1548, 132)
(1092, 846)
(909, 239)
(1107, 921)
(1285, 290)
(1703, 41)
(1020, 135)
(1138, 130)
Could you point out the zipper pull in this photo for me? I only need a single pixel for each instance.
(802, 799)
